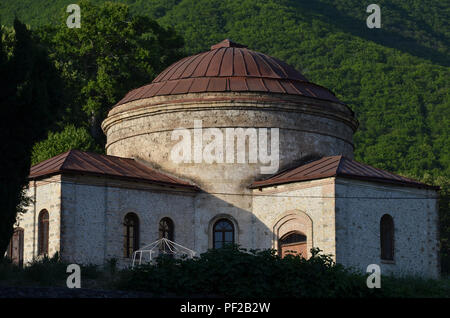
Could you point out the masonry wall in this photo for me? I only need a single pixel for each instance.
(288, 207)
(142, 130)
(45, 194)
(94, 211)
(358, 227)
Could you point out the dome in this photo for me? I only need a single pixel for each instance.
(229, 67)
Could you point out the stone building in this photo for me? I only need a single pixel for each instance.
(229, 146)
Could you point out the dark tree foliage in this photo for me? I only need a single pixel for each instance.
(239, 273)
(29, 98)
(396, 78)
(254, 274)
(112, 53)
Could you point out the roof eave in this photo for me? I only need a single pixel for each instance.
(260, 184)
(132, 179)
(390, 181)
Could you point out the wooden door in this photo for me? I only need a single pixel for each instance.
(15, 248)
(293, 243)
(294, 249)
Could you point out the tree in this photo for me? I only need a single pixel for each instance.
(112, 53)
(30, 96)
(58, 142)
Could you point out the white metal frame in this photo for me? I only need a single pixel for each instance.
(173, 248)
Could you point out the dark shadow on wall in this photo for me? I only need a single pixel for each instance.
(250, 231)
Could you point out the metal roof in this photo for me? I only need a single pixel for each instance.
(76, 161)
(337, 166)
(229, 67)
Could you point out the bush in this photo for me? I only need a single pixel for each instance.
(7, 268)
(46, 271)
(409, 286)
(236, 272)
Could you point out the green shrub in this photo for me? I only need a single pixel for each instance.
(236, 272)
(7, 269)
(47, 271)
(90, 271)
(409, 286)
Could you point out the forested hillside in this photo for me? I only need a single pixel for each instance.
(395, 78)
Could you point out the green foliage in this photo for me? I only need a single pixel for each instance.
(49, 271)
(415, 287)
(112, 53)
(400, 97)
(230, 271)
(29, 100)
(7, 269)
(235, 272)
(58, 142)
(110, 266)
(44, 271)
(394, 78)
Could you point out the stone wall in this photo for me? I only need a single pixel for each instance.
(307, 127)
(46, 195)
(307, 207)
(359, 208)
(94, 209)
(341, 217)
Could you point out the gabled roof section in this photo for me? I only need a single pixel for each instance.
(76, 161)
(337, 166)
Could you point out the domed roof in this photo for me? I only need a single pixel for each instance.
(229, 67)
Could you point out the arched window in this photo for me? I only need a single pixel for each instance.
(131, 234)
(387, 237)
(43, 229)
(223, 233)
(166, 229)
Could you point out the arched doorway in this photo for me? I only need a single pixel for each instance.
(15, 248)
(293, 243)
(293, 231)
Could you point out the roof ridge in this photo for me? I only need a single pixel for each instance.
(48, 160)
(69, 153)
(338, 167)
(226, 43)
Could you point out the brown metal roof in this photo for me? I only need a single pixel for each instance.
(76, 161)
(229, 67)
(337, 166)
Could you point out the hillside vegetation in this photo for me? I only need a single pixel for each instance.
(396, 78)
